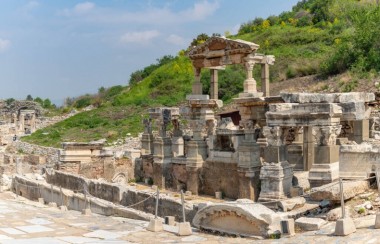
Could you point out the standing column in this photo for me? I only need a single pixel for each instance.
(326, 156)
(276, 174)
(308, 147)
(250, 82)
(214, 84)
(265, 79)
(197, 85)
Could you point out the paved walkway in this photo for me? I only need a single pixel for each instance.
(24, 221)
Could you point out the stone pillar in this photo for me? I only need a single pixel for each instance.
(308, 148)
(162, 150)
(265, 79)
(33, 123)
(361, 130)
(276, 174)
(326, 156)
(21, 123)
(249, 161)
(250, 82)
(197, 85)
(214, 84)
(147, 138)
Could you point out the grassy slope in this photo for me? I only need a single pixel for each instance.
(298, 50)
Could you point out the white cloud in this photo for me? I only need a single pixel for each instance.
(85, 7)
(31, 5)
(151, 15)
(176, 40)
(139, 37)
(4, 44)
(200, 10)
(79, 9)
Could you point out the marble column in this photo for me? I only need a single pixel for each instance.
(326, 155)
(276, 174)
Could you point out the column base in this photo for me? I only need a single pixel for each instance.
(249, 180)
(276, 181)
(321, 174)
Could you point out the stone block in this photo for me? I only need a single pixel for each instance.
(86, 211)
(336, 213)
(243, 216)
(332, 191)
(184, 229)
(155, 225)
(170, 220)
(377, 221)
(326, 154)
(287, 227)
(188, 193)
(321, 174)
(310, 224)
(291, 203)
(41, 200)
(344, 227)
(275, 154)
(219, 195)
(52, 204)
(63, 208)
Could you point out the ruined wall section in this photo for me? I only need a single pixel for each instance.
(50, 153)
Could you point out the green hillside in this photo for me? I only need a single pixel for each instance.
(318, 37)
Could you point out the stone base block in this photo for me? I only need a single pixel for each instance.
(218, 195)
(63, 208)
(377, 221)
(193, 183)
(287, 227)
(274, 154)
(310, 224)
(184, 229)
(170, 220)
(52, 204)
(155, 225)
(321, 174)
(344, 227)
(249, 183)
(326, 154)
(276, 181)
(86, 211)
(41, 200)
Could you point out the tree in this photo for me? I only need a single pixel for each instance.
(47, 103)
(39, 100)
(29, 98)
(9, 101)
(201, 38)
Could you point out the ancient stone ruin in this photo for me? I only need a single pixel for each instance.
(255, 161)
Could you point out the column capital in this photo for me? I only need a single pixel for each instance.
(326, 135)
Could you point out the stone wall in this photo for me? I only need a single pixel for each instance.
(50, 153)
(122, 195)
(218, 176)
(358, 161)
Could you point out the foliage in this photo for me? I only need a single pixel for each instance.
(359, 51)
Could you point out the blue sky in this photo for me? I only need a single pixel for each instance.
(63, 48)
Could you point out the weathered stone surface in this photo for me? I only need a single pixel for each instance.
(344, 227)
(291, 203)
(327, 98)
(356, 160)
(243, 217)
(336, 213)
(332, 191)
(309, 224)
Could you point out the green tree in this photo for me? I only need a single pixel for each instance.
(29, 98)
(47, 103)
(9, 101)
(39, 100)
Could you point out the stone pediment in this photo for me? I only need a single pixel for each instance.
(220, 51)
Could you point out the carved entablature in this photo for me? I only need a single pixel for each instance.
(220, 51)
(274, 135)
(326, 135)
